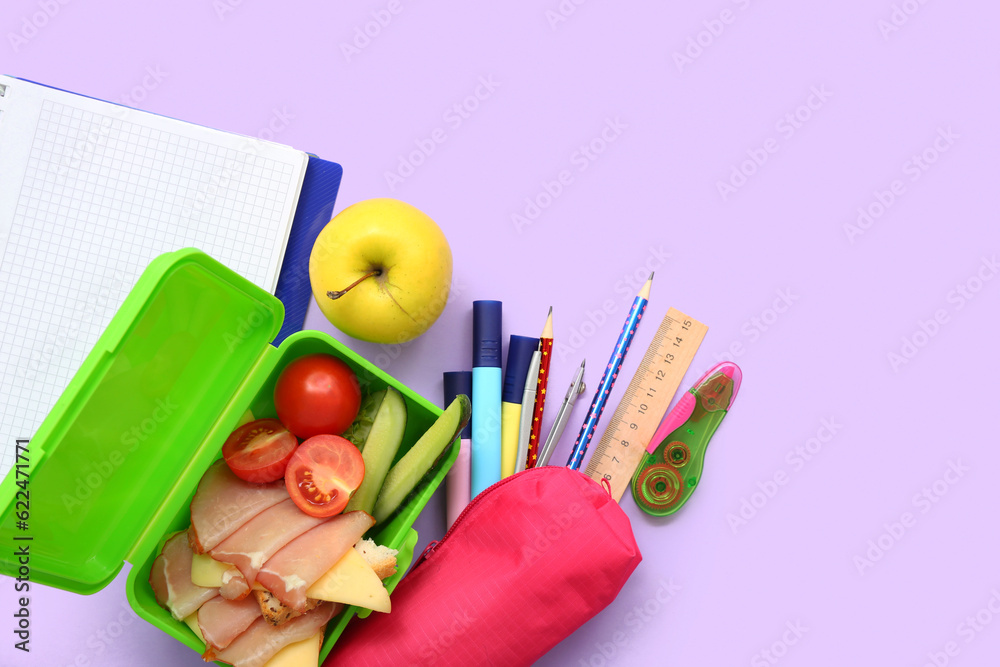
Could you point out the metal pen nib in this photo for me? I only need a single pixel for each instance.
(576, 388)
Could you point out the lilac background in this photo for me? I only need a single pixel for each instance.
(250, 67)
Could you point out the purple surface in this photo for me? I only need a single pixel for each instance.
(810, 309)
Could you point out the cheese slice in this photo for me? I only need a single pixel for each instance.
(352, 581)
(192, 622)
(208, 572)
(300, 654)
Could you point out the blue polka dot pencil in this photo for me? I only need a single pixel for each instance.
(609, 377)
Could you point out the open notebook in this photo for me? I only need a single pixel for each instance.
(90, 193)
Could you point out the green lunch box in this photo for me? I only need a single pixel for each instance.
(114, 466)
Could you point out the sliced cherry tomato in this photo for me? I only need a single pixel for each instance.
(259, 451)
(324, 472)
(317, 394)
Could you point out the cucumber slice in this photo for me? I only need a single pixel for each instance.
(379, 449)
(405, 475)
(359, 429)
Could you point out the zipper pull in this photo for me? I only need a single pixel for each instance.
(427, 552)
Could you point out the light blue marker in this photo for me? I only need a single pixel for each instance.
(487, 318)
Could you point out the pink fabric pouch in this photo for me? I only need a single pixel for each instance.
(529, 561)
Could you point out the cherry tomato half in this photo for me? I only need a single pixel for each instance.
(323, 474)
(259, 450)
(317, 394)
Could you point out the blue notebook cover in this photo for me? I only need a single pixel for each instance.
(316, 201)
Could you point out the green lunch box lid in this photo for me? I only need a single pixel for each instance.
(126, 440)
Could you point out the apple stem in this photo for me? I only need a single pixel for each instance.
(340, 293)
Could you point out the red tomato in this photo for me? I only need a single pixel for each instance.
(259, 451)
(323, 474)
(317, 395)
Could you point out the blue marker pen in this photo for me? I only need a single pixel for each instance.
(486, 384)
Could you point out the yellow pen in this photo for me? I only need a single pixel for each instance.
(518, 359)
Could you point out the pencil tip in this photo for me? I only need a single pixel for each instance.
(644, 291)
(651, 274)
(547, 329)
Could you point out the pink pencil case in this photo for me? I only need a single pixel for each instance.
(530, 560)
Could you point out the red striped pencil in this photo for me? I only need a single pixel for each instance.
(543, 381)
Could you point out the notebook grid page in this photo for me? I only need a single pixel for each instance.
(101, 198)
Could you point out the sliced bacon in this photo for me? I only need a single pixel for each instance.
(170, 578)
(224, 502)
(221, 620)
(263, 536)
(290, 572)
(261, 641)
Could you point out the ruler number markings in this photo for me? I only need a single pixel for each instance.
(657, 378)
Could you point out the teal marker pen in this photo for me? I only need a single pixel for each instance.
(486, 385)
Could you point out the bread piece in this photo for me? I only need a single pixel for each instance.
(381, 558)
(276, 613)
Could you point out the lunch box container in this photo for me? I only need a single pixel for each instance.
(114, 466)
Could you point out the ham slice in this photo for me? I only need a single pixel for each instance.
(224, 502)
(261, 641)
(170, 578)
(221, 620)
(234, 586)
(290, 572)
(263, 536)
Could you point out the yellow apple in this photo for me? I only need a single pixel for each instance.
(381, 271)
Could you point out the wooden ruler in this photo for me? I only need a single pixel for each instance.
(646, 400)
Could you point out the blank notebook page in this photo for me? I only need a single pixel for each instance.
(90, 193)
